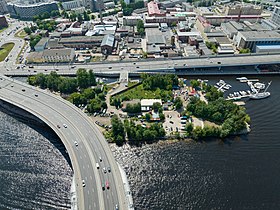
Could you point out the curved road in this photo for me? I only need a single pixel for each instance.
(91, 145)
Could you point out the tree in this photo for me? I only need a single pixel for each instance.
(173, 24)
(86, 16)
(195, 83)
(55, 13)
(80, 18)
(148, 117)
(82, 78)
(243, 51)
(178, 103)
(88, 93)
(118, 130)
(140, 27)
(156, 106)
(27, 30)
(161, 117)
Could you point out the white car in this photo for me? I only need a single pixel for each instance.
(64, 125)
(84, 184)
(76, 143)
(104, 169)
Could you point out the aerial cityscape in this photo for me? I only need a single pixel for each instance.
(131, 104)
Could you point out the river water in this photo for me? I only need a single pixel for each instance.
(238, 173)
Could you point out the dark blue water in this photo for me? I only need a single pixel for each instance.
(239, 173)
(33, 171)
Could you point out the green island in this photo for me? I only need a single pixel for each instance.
(220, 117)
(5, 49)
(195, 111)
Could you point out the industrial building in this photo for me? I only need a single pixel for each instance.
(253, 39)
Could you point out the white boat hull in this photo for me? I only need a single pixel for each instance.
(260, 95)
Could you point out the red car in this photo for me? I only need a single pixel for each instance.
(107, 185)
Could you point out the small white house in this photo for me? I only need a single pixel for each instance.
(146, 104)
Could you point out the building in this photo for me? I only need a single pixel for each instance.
(253, 39)
(81, 42)
(3, 7)
(187, 7)
(131, 20)
(202, 11)
(168, 19)
(242, 9)
(58, 55)
(27, 12)
(41, 45)
(203, 24)
(217, 20)
(107, 44)
(153, 9)
(3, 22)
(98, 5)
(185, 36)
(69, 5)
(147, 104)
(170, 3)
(276, 16)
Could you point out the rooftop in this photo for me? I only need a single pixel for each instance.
(255, 35)
(80, 39)
(150, 102)
(108, 40)
(58, 52)
(153, 8)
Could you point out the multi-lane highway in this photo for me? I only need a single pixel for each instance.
(152, 66)
(84, 142)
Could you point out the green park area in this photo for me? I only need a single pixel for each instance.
(21, 34)
(152, 87)
(5, 50)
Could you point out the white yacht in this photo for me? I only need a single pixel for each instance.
(261, 95)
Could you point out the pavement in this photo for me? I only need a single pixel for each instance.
(72, 126)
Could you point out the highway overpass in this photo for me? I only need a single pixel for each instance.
(84, 142)
(210, 65)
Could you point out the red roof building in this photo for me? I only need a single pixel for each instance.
(153, 9)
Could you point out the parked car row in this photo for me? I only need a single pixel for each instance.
(103, 125)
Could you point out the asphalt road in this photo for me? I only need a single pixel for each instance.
(91, 143)
(150, 66)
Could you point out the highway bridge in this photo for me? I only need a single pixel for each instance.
(85, 144)
(186, 66)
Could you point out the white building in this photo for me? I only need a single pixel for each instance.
(147, 104)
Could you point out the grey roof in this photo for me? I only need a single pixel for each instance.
(229, 27)
(236, 25)
(258, 35)
(42, 42)
(154, 36)
(58, 52)
(53, 43)
(108, 40)
(79, 39)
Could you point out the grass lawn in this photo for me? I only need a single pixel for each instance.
(5, 50)
(96, 59)
(139, 93)
(21, 34)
